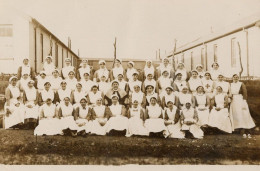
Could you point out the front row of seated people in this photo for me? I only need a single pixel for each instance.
(173, 114)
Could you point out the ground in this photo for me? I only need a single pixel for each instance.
(22, 147)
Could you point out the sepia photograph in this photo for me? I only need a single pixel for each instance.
(129, 83)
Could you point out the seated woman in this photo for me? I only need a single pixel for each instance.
(103, 85)
(49, 124)
(181, 69)
(154, 119)
(184, 97)
(63, 92)
(26, 68)
(77, 95)
(130, 71)
(66, 113)
(118, 122)
(239, 110)
(208, 84)
(149, 94)
(172, 120)
(169, 96)
(148, 69)
(99, 115)
(122, 83)
(136, 120)
(84, 68)
(189, 119)
(14, 109)
(30, 99)
(67, 68)
(194, 82)
(118, 69)
(149, 81)
(199, 69)
(202, 104)
(94, 94)
(137, 95)
(215, 71)
(48, 66)
(224, 84)
(82, 117)
(219, 116)
(115, 89)
(86, 82)
(178, 84)
(163, 82)
(134, 81)
(71, 81)
(102, 71)
(165, 66)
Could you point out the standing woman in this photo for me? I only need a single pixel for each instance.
(208, 84)
(154, 119)
(41, 80)
(67, 68)
(219, 116)
(215, 71)
(169, 96)
(172, 120)
(30, 99)
(181, 69)
(118, 122)
(163, 82)
(130, 71)
(102, 71)
(202, 104)
(149, 80)
(179, 83)
(103, 86)
(118, 69)
(86, 82)
(71, 81)
(148, 69)
(94, 94)
(239, 108)
(55, 80)
(165, 66)
(224, 84)
(66, 113)
(13, 109)
(25, 68)
(99, 115)
(77, 95)
(48, 66)
(150, 93)
(62, 92)
(122, 83)
(194, 82)
(83, 117)
(47, 93)
(136, 120)
(49, 124)
(138, 96)
(134, 81)
(84, 68)
(199, 69)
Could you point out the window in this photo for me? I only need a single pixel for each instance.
(192, 60)
(203, 57)
(56, 55)
(233, 52)
(215, 53)
(6, 31)
(41, 41)
(6, 41)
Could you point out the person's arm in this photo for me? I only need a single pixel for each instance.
(143, 87)
(78, 75)
(103, 98)
(182, 118)
(175, 88)
(161, 116)
(130, 100)
(88, 99)
(226, 102)
(41, 116)
(25, 98)
(158, 86)
(93, 114)
(62, 75)
(33, 75)
(111, 75)
(159, 100)
(95, 76)
(8, 95)
(193, 101)
(172, 74)
(207, 101)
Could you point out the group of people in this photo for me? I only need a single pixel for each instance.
(157, 101)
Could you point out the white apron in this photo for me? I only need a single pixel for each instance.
(97, 128)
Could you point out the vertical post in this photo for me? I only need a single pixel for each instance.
(35, 49)
(159, 54)
(51, 43)
(173, 54)
(247, 54)
(114, 53)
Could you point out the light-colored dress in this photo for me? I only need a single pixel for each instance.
(71, 83)
(214, 74)
(82, 122)
(184, 98)
(190, 115)
(101, 72)
(220, 119)
(136, 124)
(97, 128)
(94, 96)
(64, 93)
(239, 109)
(23, 83)
(104, 86)
(162, 68)
(134, 83)
(82, 71)
(55, 83)
(49, 125)
(225, 86)
(203, 116)
(117, 121)
(122, 84)
(137, 97)
(148, 70)
(154, 123)
(48, 68)
(149, 96)
(208, 87)
(87, 85)
(129, 73)
(149, 82)
(164, 83)
(40, 83)
(47, 94)
(65, 71)
(184, 74)
(31, 96)
(77, 97)
(194, 83)
(67, 119)
(174, 129)
(17, 113)
(116, 71)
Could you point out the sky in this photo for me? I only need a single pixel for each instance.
(141, 27)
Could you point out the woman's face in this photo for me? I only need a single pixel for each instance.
(135, 104)
(199, 68)
(136, 89)
(67, 63)
(115, 85)
(184, 90)
(149, 76)
(215, 66)
(47, 86)
(63, 86)
(67, 101)
(129, 65)
(83, 103)
(200, 90)
(43, 76)
(219, 89)
(25, 61)
(71, 75)
(179, 76)
(86, 76)
(187, 105)
(25, 76)
(180, 66)
(103, 78)
(117, 63)
(13, 82)
(170, 104)
(55, 74)
(149, 64)
(48, 102)
(94, 89)
(149, 89)
(30, 84)
(84, 64)
(120, 77)
(165, 74)
(168, 91)
(165, 62)
(220, 77)
(235, 78)
(99, 102)
(153, 101)
(48, 60)
(79, 87)
(102, 65)
(135, 76)
(194, 75)
(114, 100)
(207, 76)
